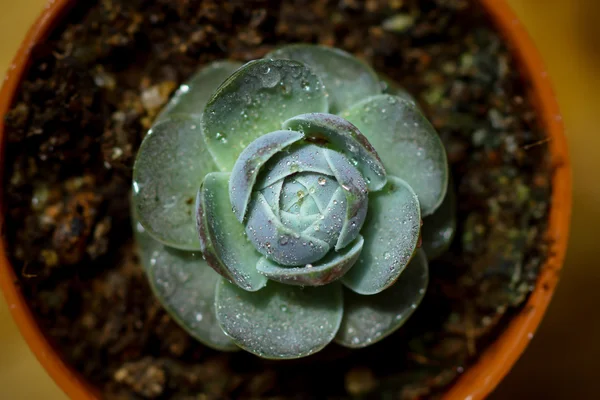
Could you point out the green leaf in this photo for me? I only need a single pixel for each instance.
(345, 138)
(276, 241)
(391, 235)
(222, 237)
(256, 100)
(407, 144)
(249, 163)
(192, 96)
(347, 79)
(368, 319)
(296, 159)
(357, 199)
(280, 321)
(327, 270)
(185, 286)
(170, 165)
(439, 228)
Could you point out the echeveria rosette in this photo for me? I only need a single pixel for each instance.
(314, 184)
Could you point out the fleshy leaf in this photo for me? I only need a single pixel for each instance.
(439, 228)
(344, 137)
(407, 143)
(296, 159)
(222, 236)
(330, 268)
(169, 167)
(249, 163)
(391, 236)
(357, 199)
(328, 227)
(192, 96)
(280, 321)
(347, 79)
(368, 319)
(185, 285)
(278, 242)
(256, 100)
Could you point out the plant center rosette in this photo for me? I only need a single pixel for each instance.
(281, 204)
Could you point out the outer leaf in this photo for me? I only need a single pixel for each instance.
(439, 228)
(407, 143)
(391, 235)
(347, 79)
(256, 100)
(368, 319)
(169, 167)
(249, 163)
(222, 237)
(185, 285)
(327, 270)
(346, 138)
(192, 96)
(280, 321)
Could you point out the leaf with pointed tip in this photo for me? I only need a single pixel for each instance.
(357, 199)
(256, 100)
(280, 321)
(408, 145)
(192, 96)
(439, 228)
(346, 138)
(249, 163)
(278, 242)
(330, 268)
(169, 167)
(222, 238)
(369, 319)
(185, 286)
(347, 79)
(391, 236)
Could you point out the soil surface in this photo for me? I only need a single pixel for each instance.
(93, 90)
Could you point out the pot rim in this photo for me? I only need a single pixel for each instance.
(497, 359)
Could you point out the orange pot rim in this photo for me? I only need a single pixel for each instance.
(497, 359)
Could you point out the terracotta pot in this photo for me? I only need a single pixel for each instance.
(479, 379)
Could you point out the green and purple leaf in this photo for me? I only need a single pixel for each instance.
(222, 238)
(344, 137)
(333, 266)
(249, 163)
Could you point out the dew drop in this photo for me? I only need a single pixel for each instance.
(322, 181)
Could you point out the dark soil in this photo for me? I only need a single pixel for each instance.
(93, 90)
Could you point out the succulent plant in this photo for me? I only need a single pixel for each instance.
(278, 204)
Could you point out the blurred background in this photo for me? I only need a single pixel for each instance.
(561, 361)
